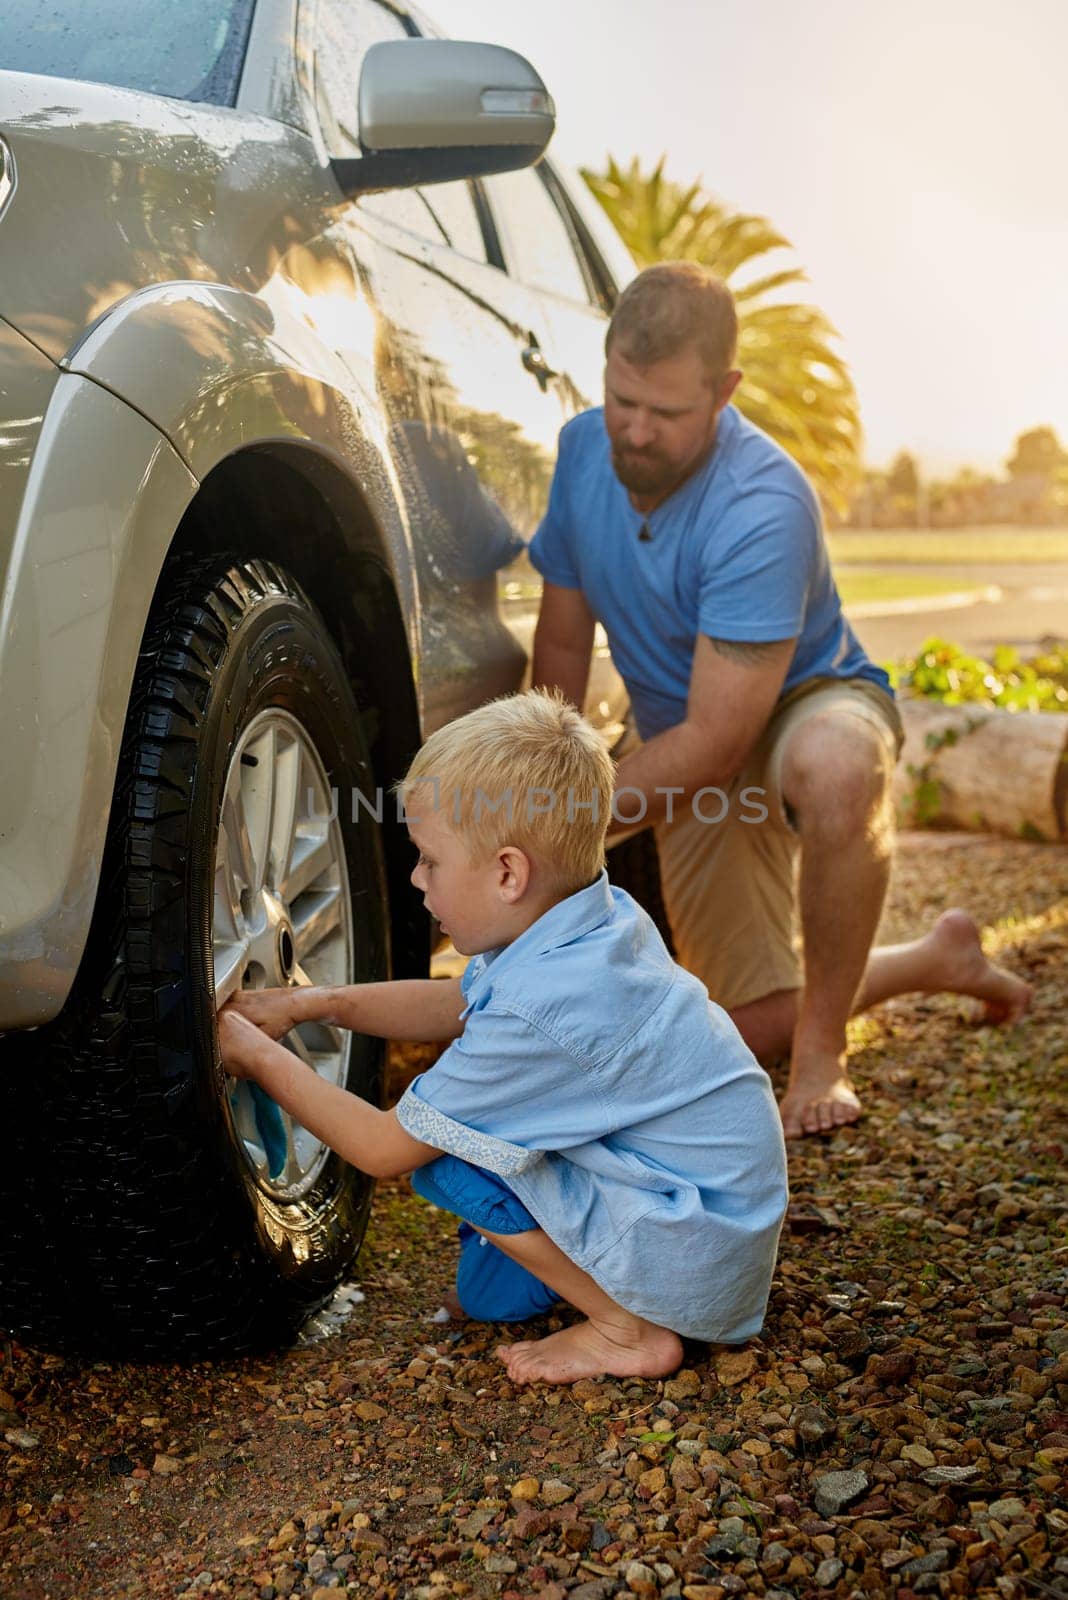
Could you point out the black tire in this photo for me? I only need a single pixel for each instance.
(635, 866)
(136, 1227)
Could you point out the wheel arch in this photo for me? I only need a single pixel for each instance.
(294, 504)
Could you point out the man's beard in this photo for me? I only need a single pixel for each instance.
(644, 474)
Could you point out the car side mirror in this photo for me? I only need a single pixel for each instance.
(432, 110)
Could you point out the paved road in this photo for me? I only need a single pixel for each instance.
(1033, 605)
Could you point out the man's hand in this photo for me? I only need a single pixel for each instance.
(273, 1010)
(240, 1042)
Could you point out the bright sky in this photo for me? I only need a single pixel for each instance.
(914, 153)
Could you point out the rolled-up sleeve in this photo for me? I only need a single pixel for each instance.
(504, 1094)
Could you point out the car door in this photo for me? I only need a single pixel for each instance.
(472, 421)
(549, 247)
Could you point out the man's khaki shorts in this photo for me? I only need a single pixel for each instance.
(730, 886)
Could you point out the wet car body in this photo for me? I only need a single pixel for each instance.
(209, 351)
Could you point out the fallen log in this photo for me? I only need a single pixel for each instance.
(974, 766)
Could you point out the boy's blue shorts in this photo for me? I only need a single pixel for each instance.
(489, 1285)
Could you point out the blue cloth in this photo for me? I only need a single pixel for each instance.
(489, 1285)
(623, 1109)
(270, 1128)
(737, 552)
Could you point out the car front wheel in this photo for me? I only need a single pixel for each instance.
(157, 1207)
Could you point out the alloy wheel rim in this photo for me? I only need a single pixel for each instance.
(281, 915)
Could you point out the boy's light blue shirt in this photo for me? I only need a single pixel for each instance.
(621, 1105)
(736, 553)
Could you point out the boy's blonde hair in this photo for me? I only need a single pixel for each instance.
(526, 770)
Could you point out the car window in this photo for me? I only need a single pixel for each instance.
(405, 208)
(454, 206)
(345, 31)
(189, 49)
(606, 241)
(537, 243)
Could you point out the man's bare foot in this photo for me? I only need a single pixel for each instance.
(638, 1349)
(958, 966)
(820, 1098)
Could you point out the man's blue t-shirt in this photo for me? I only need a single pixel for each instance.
(737, 552)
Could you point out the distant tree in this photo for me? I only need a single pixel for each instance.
(1038, 451)
(903, 479)
(797, 387)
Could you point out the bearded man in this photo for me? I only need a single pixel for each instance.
(698, 544)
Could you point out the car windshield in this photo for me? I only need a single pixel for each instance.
(190, 49)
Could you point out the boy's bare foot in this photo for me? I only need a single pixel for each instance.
(959, 966)
(634, 1349)
(820, 1098)
(450, 1300)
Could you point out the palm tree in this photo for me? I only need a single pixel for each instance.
(796, 387)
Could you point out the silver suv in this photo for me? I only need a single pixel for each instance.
(289, 323)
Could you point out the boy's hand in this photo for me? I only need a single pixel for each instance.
(273, 1010)
(239, 1042)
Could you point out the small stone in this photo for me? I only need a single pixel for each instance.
(892, 1369)
(933, 1561)
(21, 1439)
(735, 1366)
(525, 1489)
(828, 1572)
(503, 1564)
(836, 1490)
(471, 1526)
(812, 1425)
(683, 1386)
(653, 1481)
(639, 1576)
(554, 1491)
(918, 1453)
(940, 1475)
(694, 1591)
(165, 1465)
(368, 1411)
(1008, 1510)
(775, 1556)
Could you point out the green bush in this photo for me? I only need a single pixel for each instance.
(942, 671)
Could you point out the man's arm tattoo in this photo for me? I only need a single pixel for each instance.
(748, 653)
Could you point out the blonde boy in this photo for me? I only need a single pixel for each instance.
(596, 1121)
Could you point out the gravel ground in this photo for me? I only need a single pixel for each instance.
(901, 1428)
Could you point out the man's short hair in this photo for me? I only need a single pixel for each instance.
(525, 770)
(672, 307)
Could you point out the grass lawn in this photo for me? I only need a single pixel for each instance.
(952, 546)
(863, 588)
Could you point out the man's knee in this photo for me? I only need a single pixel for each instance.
(836, 776)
